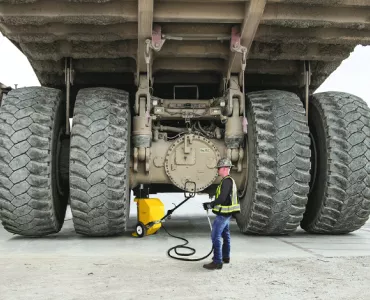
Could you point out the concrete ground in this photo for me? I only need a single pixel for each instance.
(68, 266)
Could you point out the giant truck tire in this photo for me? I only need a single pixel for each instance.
(33, 191)
(339, 200)
(278, 164)
(99, 162)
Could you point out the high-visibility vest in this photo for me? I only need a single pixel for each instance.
(227, 209)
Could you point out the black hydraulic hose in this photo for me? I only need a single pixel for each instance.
(183, 246)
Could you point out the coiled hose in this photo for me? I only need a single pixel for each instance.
(183, 246)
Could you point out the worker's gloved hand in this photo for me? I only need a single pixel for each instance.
(207, 205)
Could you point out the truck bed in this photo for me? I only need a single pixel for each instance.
(106, 39)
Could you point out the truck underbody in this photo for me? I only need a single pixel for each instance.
(159, 91)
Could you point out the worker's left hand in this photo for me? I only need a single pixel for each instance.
(207, 205)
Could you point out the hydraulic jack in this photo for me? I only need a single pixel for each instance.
(150, 212)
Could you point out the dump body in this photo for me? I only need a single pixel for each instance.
(106, 39)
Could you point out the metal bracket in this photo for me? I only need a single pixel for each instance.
(156, 44)
(142, 92)
(68, 79)
(142, 126)
(235, 42)
(240, 160)
(136, 158)
(233, 94)
(148, 153)
(236, 84)
(157, 40)
(143, 95)
(236, 46)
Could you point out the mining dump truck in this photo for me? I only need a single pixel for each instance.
(160, 90)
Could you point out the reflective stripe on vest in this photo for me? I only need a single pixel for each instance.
(235, 206)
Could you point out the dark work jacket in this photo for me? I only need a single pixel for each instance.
(225, 196)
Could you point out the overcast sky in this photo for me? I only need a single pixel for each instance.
(352, 76)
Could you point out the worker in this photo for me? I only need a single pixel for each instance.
(224, 206)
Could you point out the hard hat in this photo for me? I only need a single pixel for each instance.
(224, 162)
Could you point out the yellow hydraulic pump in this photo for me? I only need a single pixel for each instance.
(150, 216)
(149, 213)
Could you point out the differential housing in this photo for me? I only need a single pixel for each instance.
(192, 158)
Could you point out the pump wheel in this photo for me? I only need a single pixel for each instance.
(278, 164)
(339, 200)
(99, 163)
(33, 161)
(140, 230)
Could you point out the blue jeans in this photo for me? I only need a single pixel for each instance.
(221, 229)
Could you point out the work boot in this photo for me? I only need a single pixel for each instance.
(212, 266)
(225, 260)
